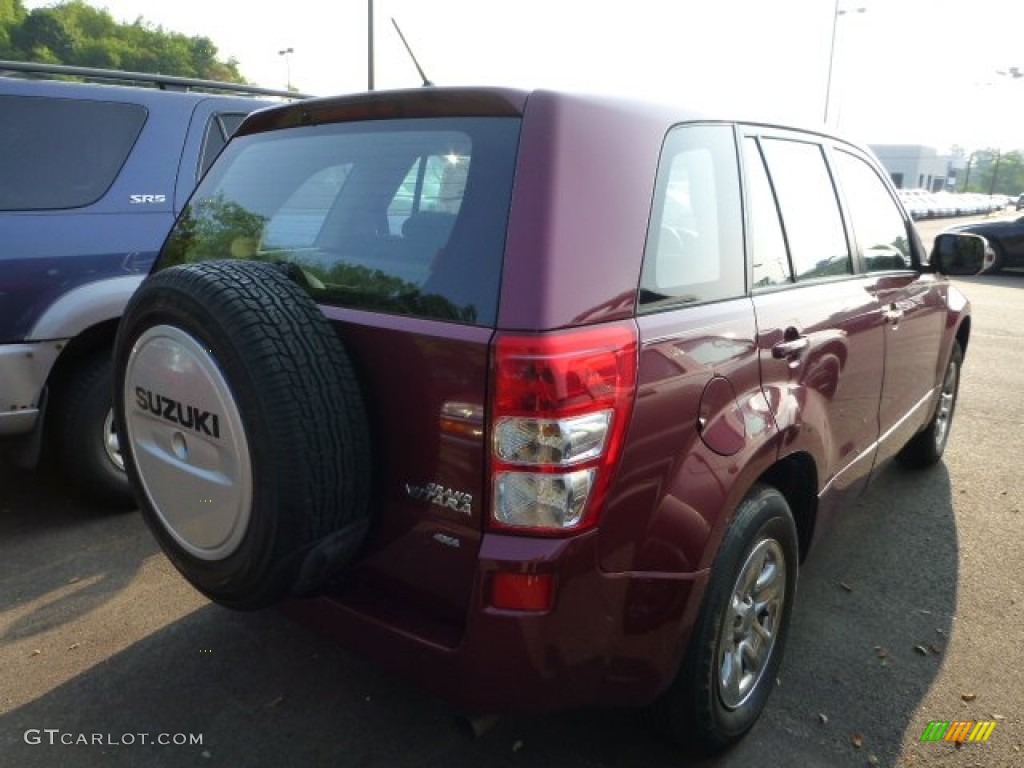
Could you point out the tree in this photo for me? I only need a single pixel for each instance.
(78, 34)
(12, 12)
(996, 172)
(44, 30)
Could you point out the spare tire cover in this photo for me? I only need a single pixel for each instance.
(243, 430)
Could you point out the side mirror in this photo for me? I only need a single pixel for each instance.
(957, 253)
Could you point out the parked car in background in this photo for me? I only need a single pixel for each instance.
(915, 203)
(929, 205)
(1005, 238)
(91, 178)
(535, 397)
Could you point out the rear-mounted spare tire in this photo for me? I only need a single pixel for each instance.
(243, 431)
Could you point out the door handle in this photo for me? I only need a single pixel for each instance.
(893, 314)
(791, 348)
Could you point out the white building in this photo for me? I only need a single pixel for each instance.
(914, 166)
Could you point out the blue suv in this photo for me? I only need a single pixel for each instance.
(92, 176)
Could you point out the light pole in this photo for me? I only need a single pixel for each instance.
(832, 53)
(287, 53)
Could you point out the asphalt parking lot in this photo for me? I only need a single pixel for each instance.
(908, 612)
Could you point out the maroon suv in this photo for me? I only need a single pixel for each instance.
(537, 398)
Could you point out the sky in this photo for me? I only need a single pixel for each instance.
(903, 71)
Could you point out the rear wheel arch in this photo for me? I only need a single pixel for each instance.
(796, 478)
(97, 339)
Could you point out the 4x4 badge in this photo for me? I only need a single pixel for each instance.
(440, 496)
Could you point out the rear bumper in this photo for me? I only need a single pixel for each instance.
(609, 639)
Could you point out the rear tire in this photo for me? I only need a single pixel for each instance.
(245, 433)
(730, 666)
(82, 432)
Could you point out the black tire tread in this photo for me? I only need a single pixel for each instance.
(309, 414)
(685, 713)
(76, 436)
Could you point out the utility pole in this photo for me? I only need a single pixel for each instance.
(369, 45)
(995, 172)
(967, 175)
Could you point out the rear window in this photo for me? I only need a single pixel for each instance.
(62, 153)
(402, 216)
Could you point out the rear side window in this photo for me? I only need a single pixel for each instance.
(767, 245)
(810, 209)
(404, 216)
(694, 249)
(62, 153)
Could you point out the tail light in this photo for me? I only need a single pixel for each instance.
(560, 407)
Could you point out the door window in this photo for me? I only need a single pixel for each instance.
(810, 210)
(767, 244)
(880, 228)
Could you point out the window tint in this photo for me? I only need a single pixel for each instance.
(694, 247)
(220, 128)
(298, 222)
(767, 244)
(880, 229)
(62, 153)
(810, 211)
(404, 216)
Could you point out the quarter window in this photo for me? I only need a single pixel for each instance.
(880, 229)
(220, 128)
(62, 153)
(810, 210)
(694, 247)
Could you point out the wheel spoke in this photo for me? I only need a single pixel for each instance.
(947, 399)
(771, 583)
(753, 572)
(763, 632)
(731, 672)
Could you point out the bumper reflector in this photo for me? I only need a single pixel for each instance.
(522, 591)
